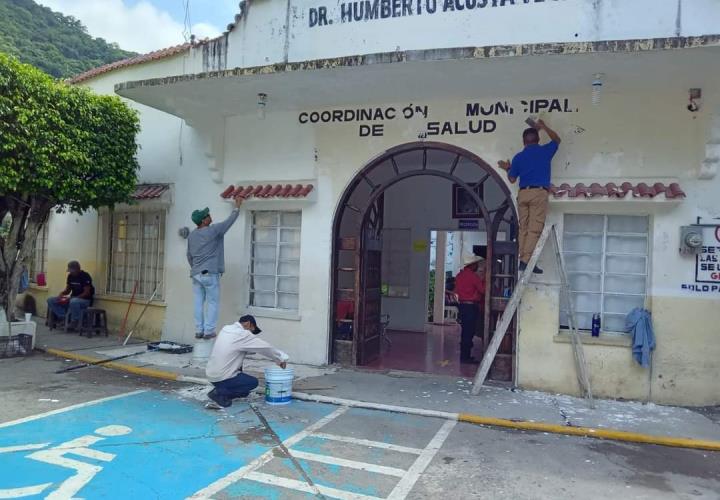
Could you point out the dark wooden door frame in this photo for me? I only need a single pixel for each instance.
(492, 219)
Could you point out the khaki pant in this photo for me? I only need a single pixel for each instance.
(532, 209)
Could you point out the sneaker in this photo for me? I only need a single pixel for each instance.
(212, 405)
(198, 335)
(537, 270)
(210, 335)
(221, 402)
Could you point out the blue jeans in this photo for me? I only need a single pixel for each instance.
(76, 306)
(206, 293)
(237, 387)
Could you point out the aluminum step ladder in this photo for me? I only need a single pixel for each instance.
(512, 306)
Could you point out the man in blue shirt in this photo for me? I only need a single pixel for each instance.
(532, 166)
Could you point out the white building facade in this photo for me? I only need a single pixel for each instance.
(357, 123)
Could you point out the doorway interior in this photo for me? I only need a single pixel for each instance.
(384, 236)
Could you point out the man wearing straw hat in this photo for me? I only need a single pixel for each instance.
(470, 288)
(224, 368)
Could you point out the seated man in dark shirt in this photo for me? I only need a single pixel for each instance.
(78, 295)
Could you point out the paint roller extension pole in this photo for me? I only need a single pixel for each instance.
(141, 313)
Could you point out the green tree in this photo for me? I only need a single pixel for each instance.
(61, 148)
(57, 44)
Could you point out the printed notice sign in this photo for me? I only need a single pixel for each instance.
(707, 266)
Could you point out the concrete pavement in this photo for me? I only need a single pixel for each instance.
(161, 443)
(417, 390)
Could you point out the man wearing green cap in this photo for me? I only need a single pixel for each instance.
(206, 256)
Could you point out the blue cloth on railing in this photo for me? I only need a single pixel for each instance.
(638, 322)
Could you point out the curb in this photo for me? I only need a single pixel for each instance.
(590, 432)
(135, 370)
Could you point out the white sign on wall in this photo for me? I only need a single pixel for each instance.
(707, 265)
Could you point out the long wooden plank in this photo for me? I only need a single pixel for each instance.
(506, 318)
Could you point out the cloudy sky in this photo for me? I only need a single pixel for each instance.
(147, 25)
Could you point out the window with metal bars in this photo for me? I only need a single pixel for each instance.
(38, 262)
(136, 257)
(275, 260)
(606, 258)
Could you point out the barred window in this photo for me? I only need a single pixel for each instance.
(136, 256)
(275, 264)
(39, 258)
(606, 257)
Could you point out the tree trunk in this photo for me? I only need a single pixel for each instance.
(28, 214)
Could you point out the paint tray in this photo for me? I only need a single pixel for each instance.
(171, 347)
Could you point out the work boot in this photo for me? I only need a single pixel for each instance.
(198, 335)
(522, 266)
(209, 335)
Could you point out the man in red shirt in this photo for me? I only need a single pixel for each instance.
(470, 288)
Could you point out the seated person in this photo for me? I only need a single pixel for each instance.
(78, 295)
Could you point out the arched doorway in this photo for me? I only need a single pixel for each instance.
(357, 292)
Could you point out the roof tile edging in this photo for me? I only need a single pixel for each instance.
(611, 190)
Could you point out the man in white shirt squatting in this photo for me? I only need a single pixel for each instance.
(224, 368)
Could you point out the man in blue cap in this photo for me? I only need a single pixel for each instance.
(206, 256)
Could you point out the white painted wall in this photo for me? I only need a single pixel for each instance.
(633, 135)
(261, 37)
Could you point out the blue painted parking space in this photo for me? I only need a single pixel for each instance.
(144, 445)
(160, 445)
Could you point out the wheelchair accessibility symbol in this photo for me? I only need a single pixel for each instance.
(58, 455)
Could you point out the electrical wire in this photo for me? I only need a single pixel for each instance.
(187, 25)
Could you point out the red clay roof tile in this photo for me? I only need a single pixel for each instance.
(149, 191)
(132, 61)
(611, 190)
(269, 191)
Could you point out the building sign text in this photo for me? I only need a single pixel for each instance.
(374, 10)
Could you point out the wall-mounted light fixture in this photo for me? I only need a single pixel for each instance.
(261, 104)
(597, 84)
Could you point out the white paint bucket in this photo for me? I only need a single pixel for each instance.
(202, 350)
(278, 385)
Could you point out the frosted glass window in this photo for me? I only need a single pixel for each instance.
(136, 255)
(606, 259)
(275, 267)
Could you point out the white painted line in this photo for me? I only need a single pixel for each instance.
(24, 492)
(23, 447)
(293, 484)
(366, 442)
(67, 408)
(194, 380)
(374, 406)
(351, 464)
(403, 488)
(240, 473)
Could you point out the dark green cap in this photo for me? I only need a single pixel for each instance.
(199, 215)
